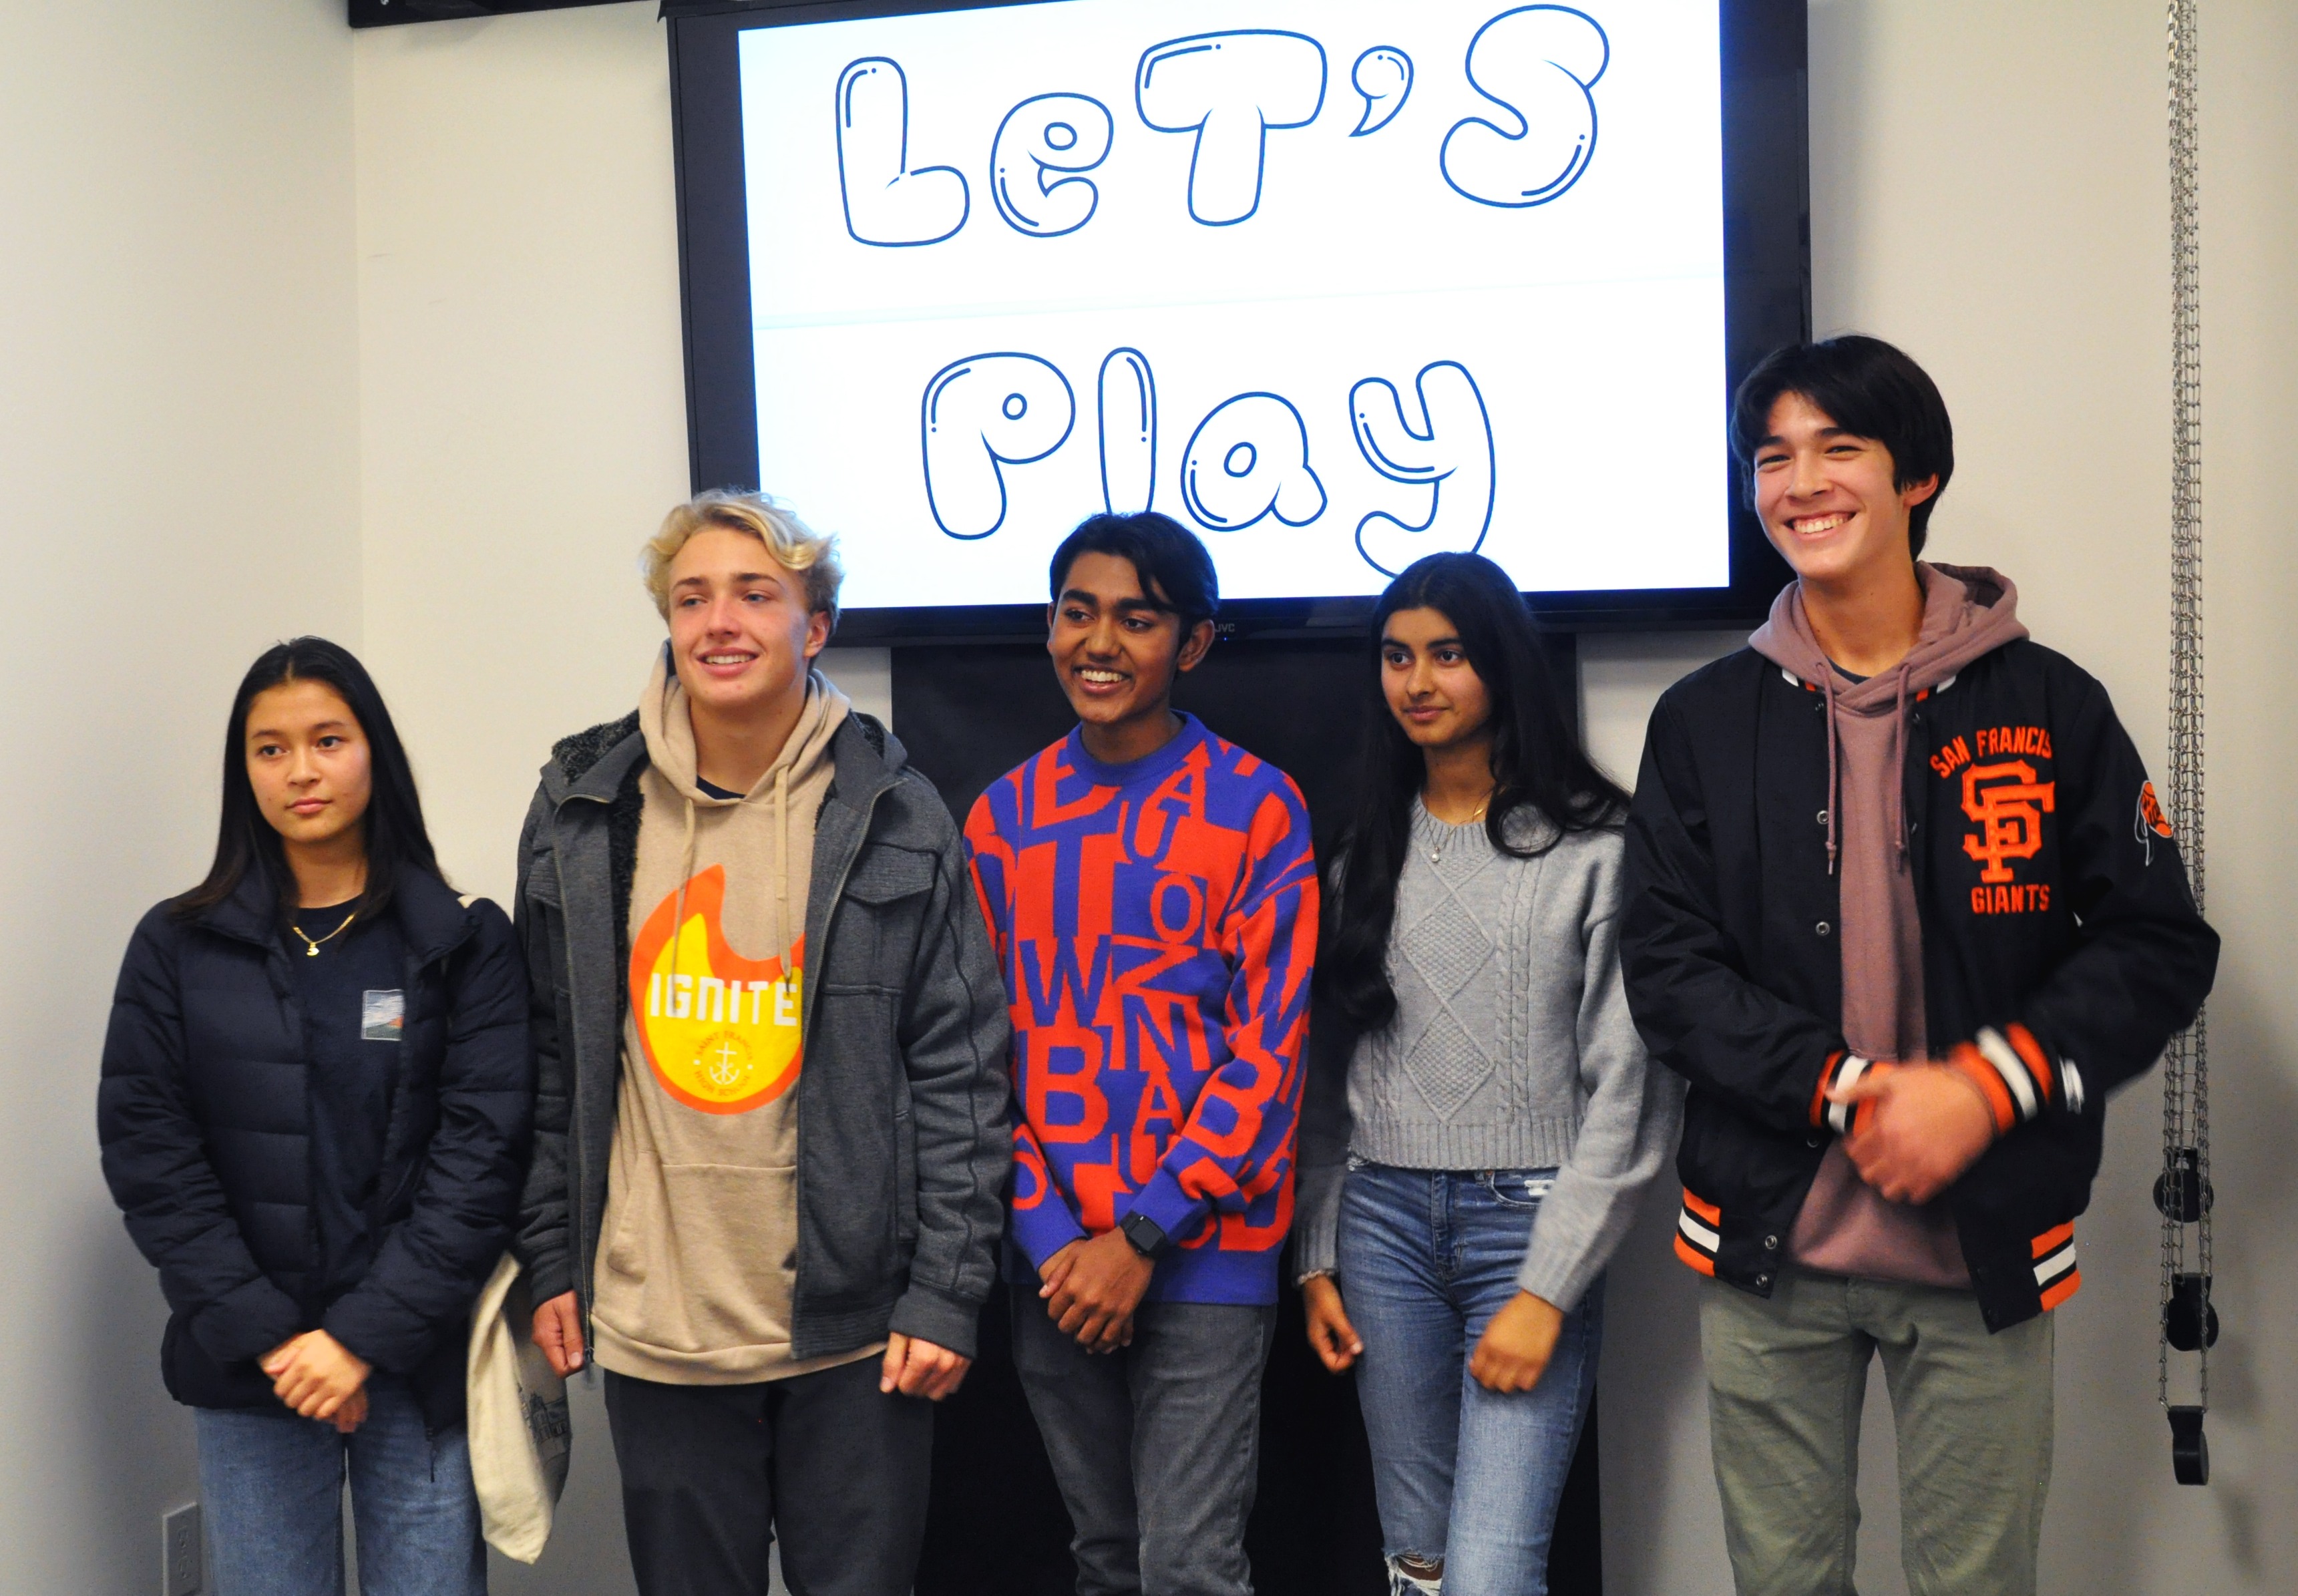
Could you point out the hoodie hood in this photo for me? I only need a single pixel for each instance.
(667, 724)
(1969, 611)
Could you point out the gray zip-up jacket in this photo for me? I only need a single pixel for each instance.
(903, 1141)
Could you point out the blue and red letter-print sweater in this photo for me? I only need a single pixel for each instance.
(1156, 922)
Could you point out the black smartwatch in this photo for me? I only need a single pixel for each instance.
(1147, 1237)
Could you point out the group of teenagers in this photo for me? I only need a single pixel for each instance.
(776, 1073)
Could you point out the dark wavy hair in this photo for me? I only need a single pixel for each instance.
(396, 839)
(1538, 762)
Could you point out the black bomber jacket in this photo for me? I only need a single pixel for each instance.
(2062, 947)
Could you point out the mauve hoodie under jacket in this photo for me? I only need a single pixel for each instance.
(1844, 1226)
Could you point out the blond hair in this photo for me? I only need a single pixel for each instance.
(793, 545)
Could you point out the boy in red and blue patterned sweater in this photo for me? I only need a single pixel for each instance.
(1152, 897)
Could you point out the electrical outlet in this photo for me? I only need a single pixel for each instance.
(181, 1569)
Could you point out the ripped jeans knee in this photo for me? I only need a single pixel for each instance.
(1410, 1576)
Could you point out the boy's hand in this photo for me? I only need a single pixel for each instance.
(914, 1368)
(1927, 1125)
(559, 1333)
(1092, 1287)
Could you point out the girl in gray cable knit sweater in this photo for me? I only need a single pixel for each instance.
(1481, 1116)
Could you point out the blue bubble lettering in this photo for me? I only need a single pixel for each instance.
(1383, 75)
(887, 203)
(1449, 451)
(1128, 433)
(1230, 89)
(1037, 165)
(980, 415)
(1539, 64)
(1247, 460)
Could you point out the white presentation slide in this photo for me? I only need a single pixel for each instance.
(1335, 283)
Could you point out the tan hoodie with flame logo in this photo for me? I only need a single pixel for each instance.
(695, 1280)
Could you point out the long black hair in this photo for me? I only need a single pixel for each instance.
(1537, 764)
(396, 839)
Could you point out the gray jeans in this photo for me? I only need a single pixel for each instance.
(1786, 1377)
(1156, 1446)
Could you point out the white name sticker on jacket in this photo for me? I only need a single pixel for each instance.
(383, 1015)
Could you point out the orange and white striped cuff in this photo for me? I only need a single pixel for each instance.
(1844, 1070)
(2055, 1273)
(1699, 1233)
(2018, 1077)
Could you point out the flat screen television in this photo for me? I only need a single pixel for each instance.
(1336, 283)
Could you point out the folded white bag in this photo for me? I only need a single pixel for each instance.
(518, 1421)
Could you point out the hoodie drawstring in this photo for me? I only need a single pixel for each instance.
(1898, 796)
(782, 865)
(685, 874)
(688, 852)
(1898, 768)
(1834, 771)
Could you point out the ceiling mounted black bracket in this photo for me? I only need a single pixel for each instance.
(386, 14)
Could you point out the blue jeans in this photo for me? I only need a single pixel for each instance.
(273, 1489)
(1462, 1474)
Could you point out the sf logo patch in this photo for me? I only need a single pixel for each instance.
(2007, 805)
(2150, 821)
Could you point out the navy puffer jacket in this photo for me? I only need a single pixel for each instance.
(204, 1116)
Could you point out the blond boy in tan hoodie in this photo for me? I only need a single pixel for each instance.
(767, 1177)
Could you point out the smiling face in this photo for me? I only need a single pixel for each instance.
(1117, 649)
(1828, 498)
(309, 763)
(1432, 690)
(741, 633)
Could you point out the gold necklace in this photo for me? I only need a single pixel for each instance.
(1436, 855)
(311, 948)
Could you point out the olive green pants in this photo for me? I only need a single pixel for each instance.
(1786, 1381)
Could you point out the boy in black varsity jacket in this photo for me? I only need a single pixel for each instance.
(1903, 909)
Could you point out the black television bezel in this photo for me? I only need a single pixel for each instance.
(1768, 302)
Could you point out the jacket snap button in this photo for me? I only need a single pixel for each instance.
(1811, 1141)
(1771, 1244)
(1823, 929)
(1763, 1279)
(1822, 817)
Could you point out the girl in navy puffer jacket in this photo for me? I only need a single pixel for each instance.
(316, 1102)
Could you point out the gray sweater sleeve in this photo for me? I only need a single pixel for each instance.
(1628, 1125)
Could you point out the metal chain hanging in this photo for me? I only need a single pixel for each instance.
(2183, 1191)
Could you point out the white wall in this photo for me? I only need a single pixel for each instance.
(179, 488)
